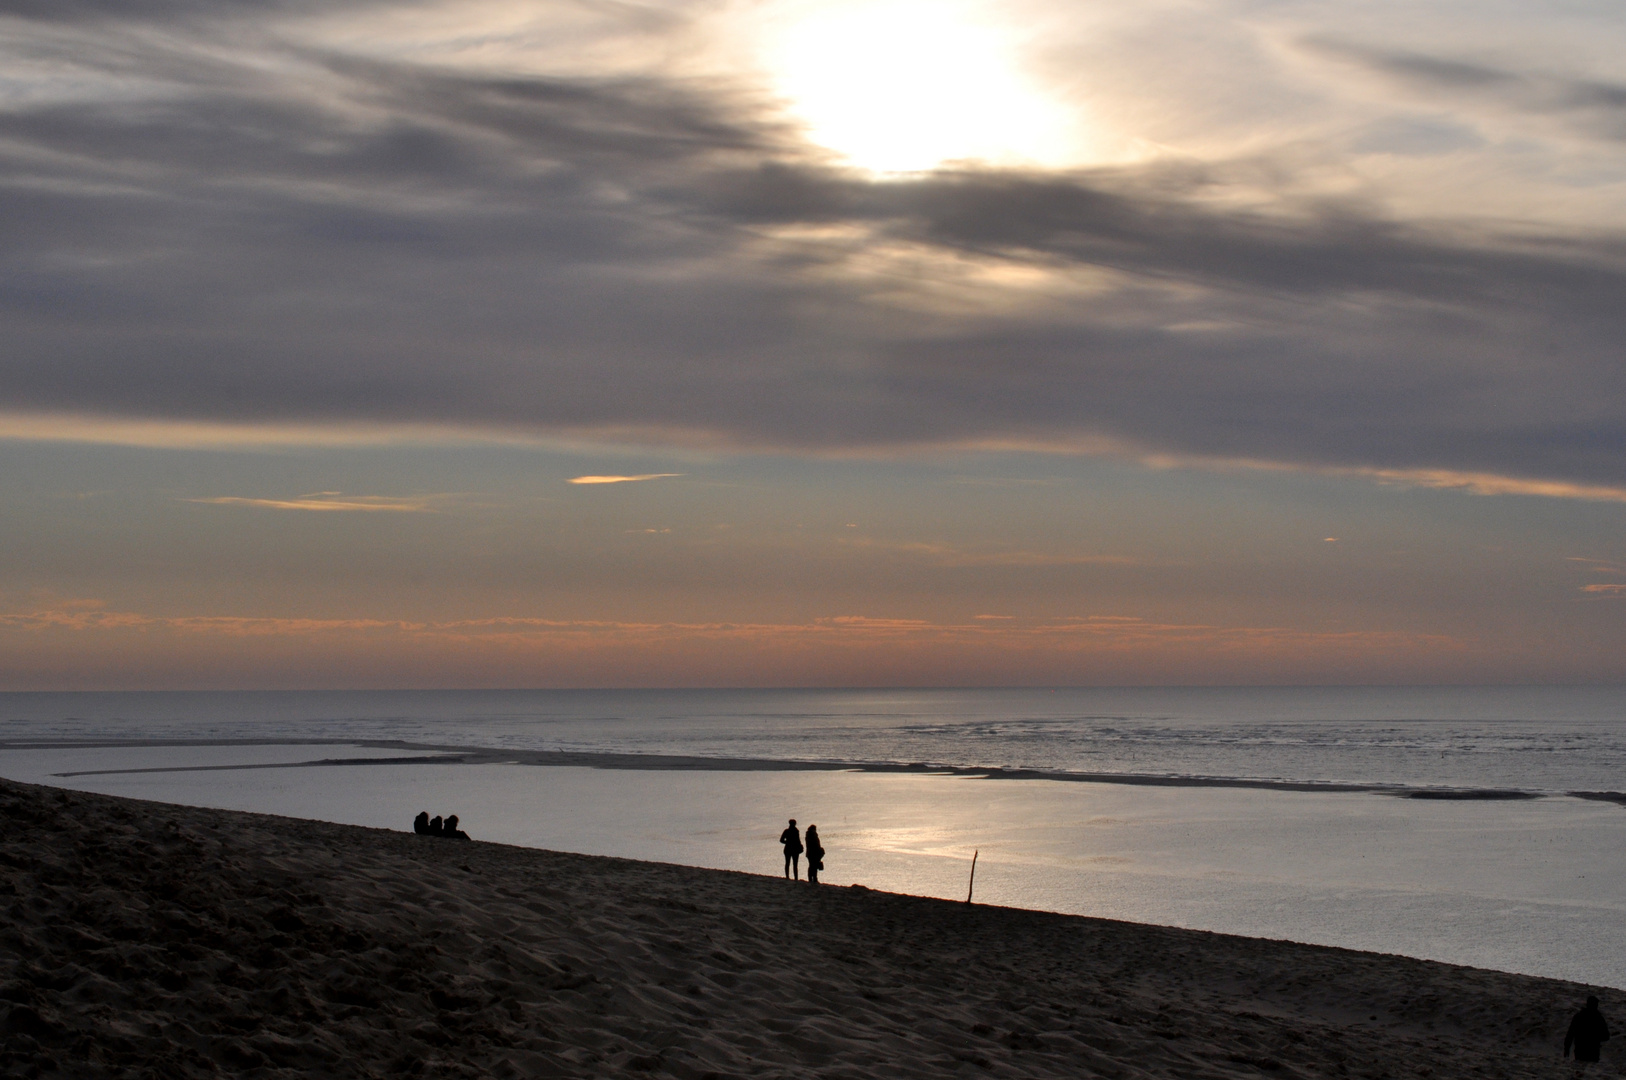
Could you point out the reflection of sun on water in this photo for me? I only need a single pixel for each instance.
(904, 85)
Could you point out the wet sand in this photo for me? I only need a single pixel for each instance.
(148, 939)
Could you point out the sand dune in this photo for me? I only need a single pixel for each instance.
(143, 939)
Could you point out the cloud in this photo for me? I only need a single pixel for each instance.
(1598, 566)
(157, 11)
(59, 647)
(949, 555)
(212, 231)
(620, 479)
(1434, 479)
(328, 502)
(1119, 630)
(191, 434)
(866, 622)
(1605, 590)
(1593, 106)
(73, 618)
(1489, 484)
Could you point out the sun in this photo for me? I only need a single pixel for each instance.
(904, 85)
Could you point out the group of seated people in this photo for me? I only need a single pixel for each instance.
(424, 825)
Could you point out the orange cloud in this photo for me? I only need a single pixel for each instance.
(327, 501)
(848, 627)
(620, 479)
(75, 620)
(1476, 483)
(67, 648)
(1492, 484)
(865, 622)
(1598, 566)
(948, 555)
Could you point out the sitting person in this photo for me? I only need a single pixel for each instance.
(434, 826)
(420, 824)
(451, 830)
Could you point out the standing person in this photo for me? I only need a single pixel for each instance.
(1588, 1031)
(815, 855)
(793, 851)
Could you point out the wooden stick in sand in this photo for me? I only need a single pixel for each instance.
(973, 884)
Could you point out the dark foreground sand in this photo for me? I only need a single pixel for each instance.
(142, 939)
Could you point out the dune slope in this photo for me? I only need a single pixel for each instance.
(143, 939)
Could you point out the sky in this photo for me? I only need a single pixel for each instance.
(376, 343)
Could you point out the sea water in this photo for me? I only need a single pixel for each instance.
(1535, 885)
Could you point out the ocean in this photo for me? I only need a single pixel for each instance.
(1475, 825)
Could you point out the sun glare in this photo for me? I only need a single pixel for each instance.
(903, 86)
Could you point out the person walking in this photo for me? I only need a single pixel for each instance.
(793, 851)
(1587, 1034)
(815, 855)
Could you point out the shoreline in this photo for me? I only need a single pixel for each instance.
(450, 754)
(219, 942)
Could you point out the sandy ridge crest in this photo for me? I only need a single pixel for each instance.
(143, 939)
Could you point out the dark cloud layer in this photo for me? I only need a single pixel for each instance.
(165, 11)
(330, 238)
(1593, 106)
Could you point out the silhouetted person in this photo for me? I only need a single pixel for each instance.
(420, 824)
(451, 831)
(793, 851)
(815, 855)
(1588, 1032)
(434, 826)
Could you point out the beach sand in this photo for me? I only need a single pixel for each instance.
(143, 939)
